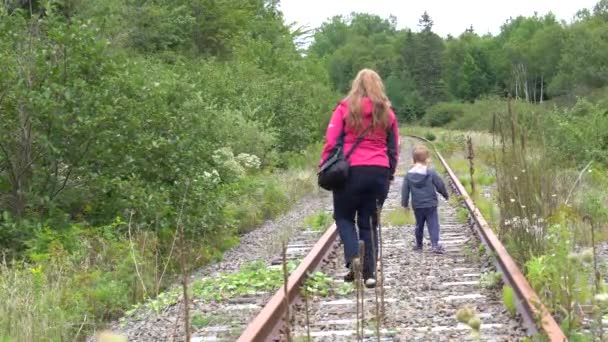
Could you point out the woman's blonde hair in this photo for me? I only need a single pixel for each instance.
(368, 84)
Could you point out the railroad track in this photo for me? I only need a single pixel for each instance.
(422, 291)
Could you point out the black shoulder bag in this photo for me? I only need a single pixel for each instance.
(335, 170)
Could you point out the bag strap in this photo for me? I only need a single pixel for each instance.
(359, 139)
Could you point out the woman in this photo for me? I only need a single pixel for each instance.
(365, 113)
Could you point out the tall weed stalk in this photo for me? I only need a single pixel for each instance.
(525, 184)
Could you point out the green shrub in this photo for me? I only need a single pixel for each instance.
(430, 136)
(443, 113)
(140, 123)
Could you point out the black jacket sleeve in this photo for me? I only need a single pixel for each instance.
(392, 145)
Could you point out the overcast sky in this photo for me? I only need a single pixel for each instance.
(450, 16)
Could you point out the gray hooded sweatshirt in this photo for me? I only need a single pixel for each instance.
(422, 182)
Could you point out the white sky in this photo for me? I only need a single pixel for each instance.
(449, 16)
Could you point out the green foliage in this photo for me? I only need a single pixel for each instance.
(104, 115)
(578, 134)
(250, 279)
(488, 208)
(532, 58)
(430, 136)
(562, 277)
(318, 284)
(345, 289)
(319, 222)
(397, 218)
(65, 284)
(508, 299)
(472, 116)
(441, 114)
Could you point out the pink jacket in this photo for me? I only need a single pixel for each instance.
(378, 147)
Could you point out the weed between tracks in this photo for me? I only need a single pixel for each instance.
(250, 280)
(321, 285)
(397, 217)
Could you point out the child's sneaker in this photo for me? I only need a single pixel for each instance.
(370, 283)
(438, 249)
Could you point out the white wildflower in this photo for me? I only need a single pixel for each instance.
(512, 200)
(249, 161)
(212, 177)
(515, 178)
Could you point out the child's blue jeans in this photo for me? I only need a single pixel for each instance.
(428, 215)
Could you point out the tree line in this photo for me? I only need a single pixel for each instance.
(532, 58)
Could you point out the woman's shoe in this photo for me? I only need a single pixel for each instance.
(350, 276)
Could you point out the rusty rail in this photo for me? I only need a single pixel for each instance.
(531, 308)
(268, 321)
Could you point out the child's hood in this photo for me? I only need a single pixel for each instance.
(418, 175)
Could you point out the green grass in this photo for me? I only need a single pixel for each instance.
(508, 299)
(473, 116)
(398, 217)
(488, 208)
(319, 222)
(462, 215)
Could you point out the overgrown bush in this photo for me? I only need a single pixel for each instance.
(579, 135)
(443, 113)
(138, 129)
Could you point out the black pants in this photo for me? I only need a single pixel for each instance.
(366, 188)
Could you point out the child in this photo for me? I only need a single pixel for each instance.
(422, 181)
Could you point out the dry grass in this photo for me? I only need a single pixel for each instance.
(31, 305)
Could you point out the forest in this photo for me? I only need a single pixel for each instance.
(127, 124)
